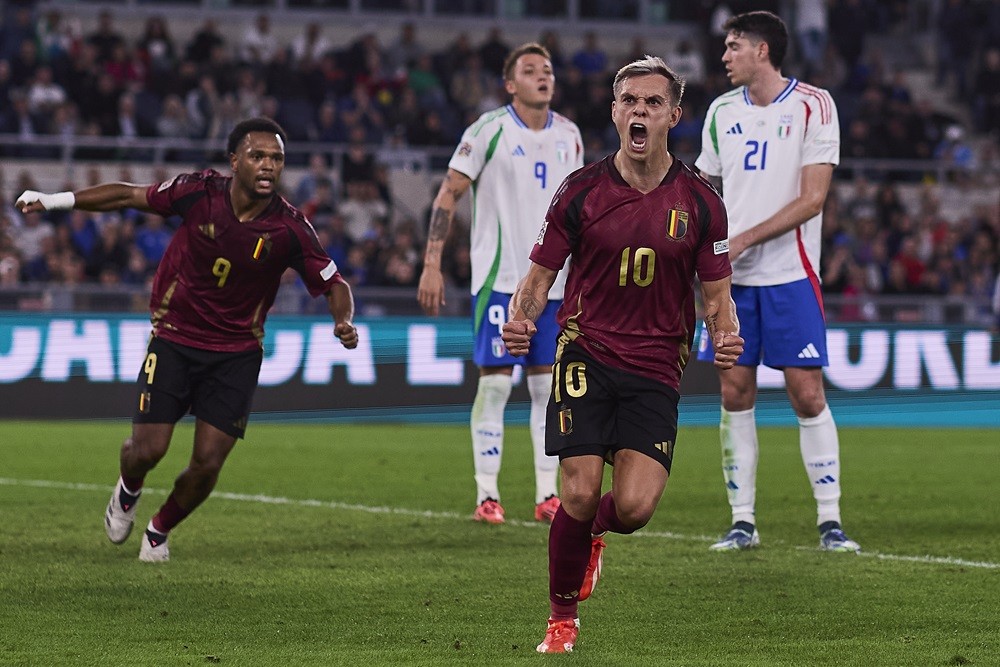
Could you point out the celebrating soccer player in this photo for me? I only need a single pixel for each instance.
(211, 294)
(516, 156)
(771, 144)
(638, 226)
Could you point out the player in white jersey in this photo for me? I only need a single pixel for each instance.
(514, 158)
(771, 145)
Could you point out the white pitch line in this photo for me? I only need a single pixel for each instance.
(428, 514)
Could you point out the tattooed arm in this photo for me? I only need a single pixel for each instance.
(721, 321)
(526, 305)
(430, 292)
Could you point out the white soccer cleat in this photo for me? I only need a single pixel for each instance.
(154, 548)
(741, 536)
(119, 516)
(832, 538)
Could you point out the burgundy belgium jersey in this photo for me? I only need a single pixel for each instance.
(218, 278)
(630, 291)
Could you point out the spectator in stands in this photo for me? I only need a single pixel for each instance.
(29, 238)
(18, 118)
(550, 40)
(472, 88)
(106, 37)
(590, 59)
(329, 127)
(127, 123)
(250, 92)
(424, 81)
(363, 210)
(175, 122)
(157, 53)
(986, 90)
(44, 95)
(322, 202)
(318, 172)
(811, 34)
(125, 68)
(359, 110)
(6, 84)
(259, 43)
(310, 45)
(848, 25)
(204, 41)
(493, 51)
(333, 235)
(19, 28)
(57, 37)
(24, 65)
(405, 50)
(955, 45)
(358, 163)
(110, 257)
(83, 233)
(152, 238)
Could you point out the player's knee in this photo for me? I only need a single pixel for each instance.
(144, 451)
(581, 504)
(635, 515)
(809, 403)
(736, 398)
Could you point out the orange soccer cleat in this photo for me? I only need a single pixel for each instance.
(489, 511)
(593, 574)
(546, 510)
(560, 636)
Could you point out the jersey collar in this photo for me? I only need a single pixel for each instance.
(521, 123)
(792, 83)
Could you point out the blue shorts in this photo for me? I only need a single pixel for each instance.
(783, 325)
(488, 319)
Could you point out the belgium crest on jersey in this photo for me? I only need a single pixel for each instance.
(261, 248)
(677, 223)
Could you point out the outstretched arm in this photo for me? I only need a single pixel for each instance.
(340, 301)
(525, 307)
(103, 197)
(430, 291)
(721, 321)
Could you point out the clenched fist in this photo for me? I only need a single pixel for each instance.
(517, 335)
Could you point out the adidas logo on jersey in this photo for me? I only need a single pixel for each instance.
(809, 352)
(735, 129)
(518, 150)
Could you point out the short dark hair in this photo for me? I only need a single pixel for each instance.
(511, 61)
(245, 127)
(762, 27)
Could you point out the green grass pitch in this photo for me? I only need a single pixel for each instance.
(352, 545)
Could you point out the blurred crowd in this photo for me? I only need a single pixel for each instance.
(366, 96)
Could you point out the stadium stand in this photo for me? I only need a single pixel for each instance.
(373, 110)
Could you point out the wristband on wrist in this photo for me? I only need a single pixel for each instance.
(59, 201)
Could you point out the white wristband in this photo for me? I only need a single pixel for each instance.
(59, 201)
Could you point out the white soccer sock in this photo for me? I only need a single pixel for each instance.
(821, 455)
(546, 467)
(738, 434)
(487, 433)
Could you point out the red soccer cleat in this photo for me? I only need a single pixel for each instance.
(593, 574)
(546, 510)
(560, 636)
(489, 511)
